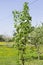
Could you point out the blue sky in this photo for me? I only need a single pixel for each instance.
(6, 16)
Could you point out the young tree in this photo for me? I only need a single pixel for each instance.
(23, 27)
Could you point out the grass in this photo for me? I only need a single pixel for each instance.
(35, 62)
(9, 56)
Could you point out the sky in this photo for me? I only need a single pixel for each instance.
(6, 16)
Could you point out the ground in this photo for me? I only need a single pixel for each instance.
(9, 56)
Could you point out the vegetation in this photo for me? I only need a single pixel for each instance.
(37, 38)
(1, 38)
(5, 38)
(25, 34)
(23, 28)
(26, 46)
(9, 55)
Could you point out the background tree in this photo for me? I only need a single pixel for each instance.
(1, 38)
(36, 37)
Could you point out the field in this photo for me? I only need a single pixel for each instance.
(9, 55)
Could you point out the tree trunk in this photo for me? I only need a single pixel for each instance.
(38, 52)
(22, 59)
(37, 46)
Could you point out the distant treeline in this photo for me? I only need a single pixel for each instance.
(5, 39)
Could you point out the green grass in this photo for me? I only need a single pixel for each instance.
(34, 62)
(9, 56)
